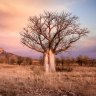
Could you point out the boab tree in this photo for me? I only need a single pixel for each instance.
(51, 33)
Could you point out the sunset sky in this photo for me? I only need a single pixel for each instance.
(14, 15)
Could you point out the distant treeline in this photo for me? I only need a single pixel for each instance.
(80, 60)
(10, 58)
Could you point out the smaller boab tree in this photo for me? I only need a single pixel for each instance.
(51, 33)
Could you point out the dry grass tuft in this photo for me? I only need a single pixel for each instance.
(18, 80)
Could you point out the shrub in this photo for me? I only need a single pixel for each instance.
(65, 69)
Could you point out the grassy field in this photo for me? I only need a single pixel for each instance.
(31, 80)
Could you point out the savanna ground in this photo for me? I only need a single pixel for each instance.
(31, 80)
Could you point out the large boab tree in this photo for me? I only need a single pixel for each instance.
(51, 33)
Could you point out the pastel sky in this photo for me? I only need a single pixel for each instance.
(14, 16)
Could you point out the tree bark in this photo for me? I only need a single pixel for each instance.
(49, 61)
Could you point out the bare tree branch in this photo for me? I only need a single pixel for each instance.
(52, 31)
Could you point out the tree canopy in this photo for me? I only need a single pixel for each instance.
(53, 31)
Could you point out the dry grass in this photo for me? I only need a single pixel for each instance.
(18, 80)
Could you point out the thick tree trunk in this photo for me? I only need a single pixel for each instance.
(49, 61)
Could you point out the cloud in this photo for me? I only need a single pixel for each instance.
(88, 42)
(51, 2)
(11, 15)
(90, 45)
(85, 47)
(15, 13)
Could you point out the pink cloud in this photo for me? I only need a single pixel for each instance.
(14, 15)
